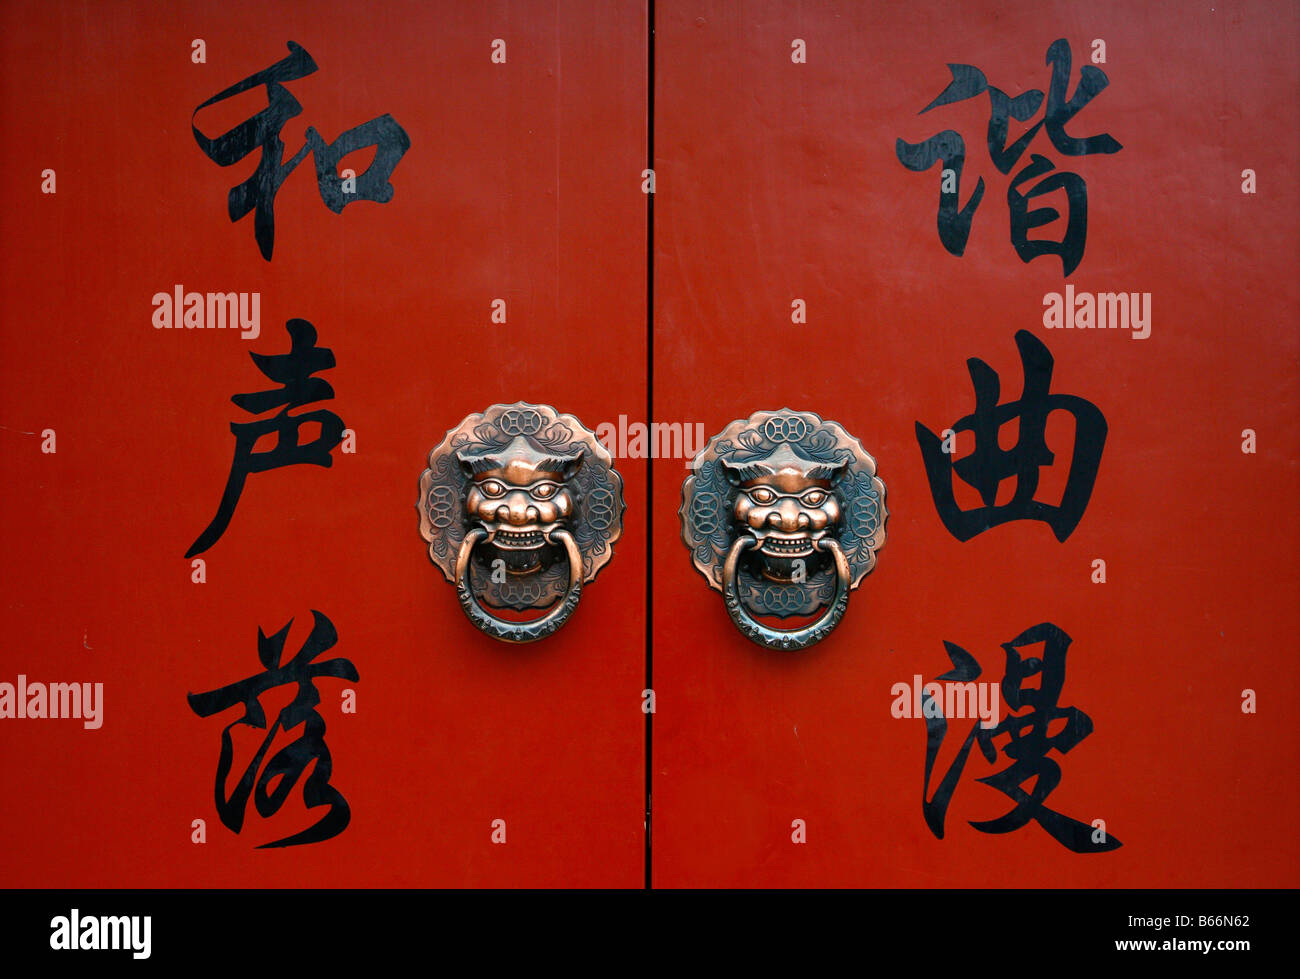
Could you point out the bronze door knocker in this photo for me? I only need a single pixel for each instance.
(784, 515)
(520, 506)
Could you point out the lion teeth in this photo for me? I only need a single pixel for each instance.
(801, 546)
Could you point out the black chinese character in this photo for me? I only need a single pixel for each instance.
(1028, 745)
(257, 193)
(288, 764)
(293, 371)
(954, 221)
(989, 464)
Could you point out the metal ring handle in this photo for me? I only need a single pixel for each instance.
(518, 631)
(799, 638)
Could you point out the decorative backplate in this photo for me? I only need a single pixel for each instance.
(787, 479)
(516, 470)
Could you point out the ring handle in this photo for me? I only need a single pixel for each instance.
(799, 638)
(518, 631)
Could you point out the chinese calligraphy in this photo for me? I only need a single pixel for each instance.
(290, 762)
(1028, 745)
(257, 193)
(989, 464)
(293, 372)
(954, 221)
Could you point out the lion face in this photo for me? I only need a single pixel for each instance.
(518, 516)
(519, 495)
(786, 502)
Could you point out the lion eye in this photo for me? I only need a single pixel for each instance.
(492, 487)
(762, 495)
(815, 498)
(544, 491)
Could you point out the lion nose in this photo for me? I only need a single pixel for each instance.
(517, 509)
(788, 517)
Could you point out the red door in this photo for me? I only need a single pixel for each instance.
(780, 179)
(804, 256)
(522, 184)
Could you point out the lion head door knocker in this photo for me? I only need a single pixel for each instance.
(520, 507)
(784, 515)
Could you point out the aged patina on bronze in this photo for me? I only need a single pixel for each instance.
(784, 515)
(520, 506)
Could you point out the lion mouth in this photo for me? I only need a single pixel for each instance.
(786, 545)
(518, 538)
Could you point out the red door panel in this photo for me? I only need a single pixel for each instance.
(779, 181)
(521, 183)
